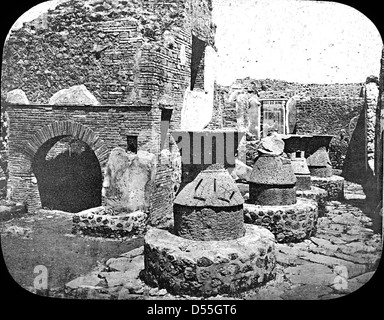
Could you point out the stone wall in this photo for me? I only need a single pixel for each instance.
(133, 56)
(321, 108)
(123, 51)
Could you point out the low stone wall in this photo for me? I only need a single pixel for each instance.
(334, 185)
(206, 268)
(103, 221)
(289, 223)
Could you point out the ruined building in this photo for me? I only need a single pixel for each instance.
(132, 65)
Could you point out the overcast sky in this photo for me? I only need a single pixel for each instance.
(292, 40)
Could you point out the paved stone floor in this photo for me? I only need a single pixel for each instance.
(340, 258)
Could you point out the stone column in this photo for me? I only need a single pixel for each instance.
(370, 104)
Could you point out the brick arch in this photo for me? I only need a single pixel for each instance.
(67, 128)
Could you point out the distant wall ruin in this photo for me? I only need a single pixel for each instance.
(321, 108)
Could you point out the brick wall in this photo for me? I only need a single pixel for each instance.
(129, 56)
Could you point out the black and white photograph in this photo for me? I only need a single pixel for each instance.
(208, 152)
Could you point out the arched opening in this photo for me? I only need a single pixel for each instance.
(68, 174)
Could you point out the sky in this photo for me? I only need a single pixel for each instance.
(292, 40)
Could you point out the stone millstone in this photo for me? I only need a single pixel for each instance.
(272, 181)
(291, 223)
(334, 186)
(272, 145)
(207, 268)
(213, 188)
(272, 195)
(317, 156)
(209, 208)
(319, 163)
(272, 170)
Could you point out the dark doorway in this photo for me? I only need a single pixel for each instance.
(198, 50)
(68, 175)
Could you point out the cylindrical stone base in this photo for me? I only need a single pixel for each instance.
(303, 182)
(334, 186)
(208, 268)
(204, 224)
(317, 194)
(291, 223)
(271, 195)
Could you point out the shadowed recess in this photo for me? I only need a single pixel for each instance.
(68, 174)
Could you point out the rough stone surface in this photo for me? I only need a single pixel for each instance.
(317, 156)
(205, 268)
(75, 95)
(340, 258)
(303, 182)
(272, 195)
(317, 194)
(209, 223)
(290, 223)
(212, 187)
(334, 186)
(272, 170)
(17, 96)
(128, 180)
(11, 209)
(105, 222)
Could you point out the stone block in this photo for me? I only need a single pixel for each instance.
(75, 95)
(108, 224)
(17, 96)
(241, 171)
(128, 180)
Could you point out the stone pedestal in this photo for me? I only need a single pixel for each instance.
(289, 223)
(210, 250)
(334, 185)
(206, 268)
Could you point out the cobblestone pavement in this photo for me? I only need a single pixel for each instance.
(340, 258)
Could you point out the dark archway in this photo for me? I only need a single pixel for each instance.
(68, 174)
